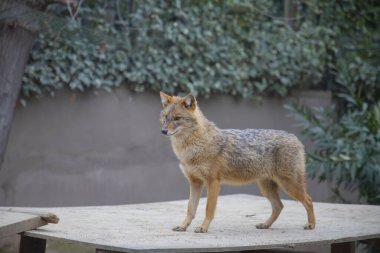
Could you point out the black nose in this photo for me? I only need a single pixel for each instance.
(164, 132)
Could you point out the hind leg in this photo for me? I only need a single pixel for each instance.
(269, 189)
(296, 188)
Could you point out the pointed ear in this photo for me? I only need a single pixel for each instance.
(165, 99)
(189, 102)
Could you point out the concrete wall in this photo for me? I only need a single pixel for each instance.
(86, 149)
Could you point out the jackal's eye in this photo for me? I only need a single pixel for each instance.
(176, 118)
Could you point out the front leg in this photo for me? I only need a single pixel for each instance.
(195, 195)
(213, 189)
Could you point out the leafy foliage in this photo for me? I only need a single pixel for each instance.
(233, 47)
(347, 136)
(347, 149)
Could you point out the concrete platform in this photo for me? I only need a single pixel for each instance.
(147, 227)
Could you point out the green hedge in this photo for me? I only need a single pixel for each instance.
(234, 47)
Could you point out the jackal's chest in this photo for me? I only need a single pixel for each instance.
(198, 171)
(194, 160)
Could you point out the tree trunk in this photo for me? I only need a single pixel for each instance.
(16, 41)
(18, 31)
(15, 45)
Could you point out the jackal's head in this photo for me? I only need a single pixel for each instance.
(178, 114)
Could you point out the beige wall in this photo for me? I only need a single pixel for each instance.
(88, 149)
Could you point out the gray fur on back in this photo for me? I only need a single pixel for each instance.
(258, 151)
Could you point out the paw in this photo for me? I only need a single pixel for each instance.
(262, 226)
(200, 230)
(309, 226)
(179, 228)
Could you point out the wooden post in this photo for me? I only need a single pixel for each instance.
(32, 245)
(290, 13)
(347, 247)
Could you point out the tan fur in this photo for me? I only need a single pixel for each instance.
(210, 156)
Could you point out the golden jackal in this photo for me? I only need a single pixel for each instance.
(211, 156)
